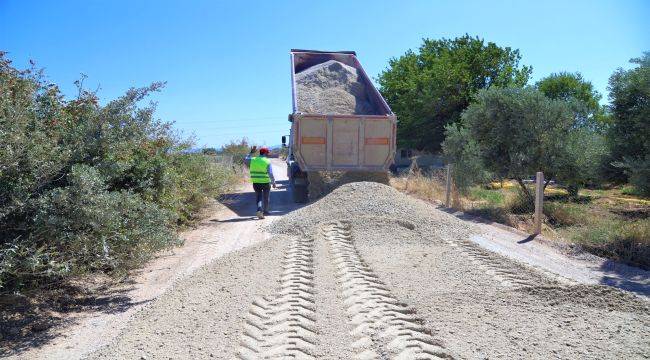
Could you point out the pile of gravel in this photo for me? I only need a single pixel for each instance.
(322, 183)
(360, 202)
(332, 88)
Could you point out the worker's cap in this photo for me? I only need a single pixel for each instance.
(264, 151)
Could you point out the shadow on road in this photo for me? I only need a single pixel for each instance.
(528, 239)
(39, 316)
(625, 277)
(243, 203)
(233, 220)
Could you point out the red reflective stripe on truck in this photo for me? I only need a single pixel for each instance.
(313, 140)
(377, 141)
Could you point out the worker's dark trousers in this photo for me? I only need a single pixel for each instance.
(263, 192)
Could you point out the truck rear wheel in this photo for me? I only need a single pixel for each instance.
(300, 187)
(300, 194)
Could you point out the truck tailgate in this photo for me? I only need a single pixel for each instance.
(344, 142)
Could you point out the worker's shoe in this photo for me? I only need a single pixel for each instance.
(260, 215)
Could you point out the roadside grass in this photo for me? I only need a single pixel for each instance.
(491, 197)
(565, 214)
(622, 240)
(613, 222)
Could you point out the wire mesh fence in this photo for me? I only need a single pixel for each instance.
(506, 201)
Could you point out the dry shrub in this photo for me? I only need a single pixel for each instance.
(426, 187)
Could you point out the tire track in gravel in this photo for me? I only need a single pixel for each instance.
(283, 326)
(384, 328)
(499, 269)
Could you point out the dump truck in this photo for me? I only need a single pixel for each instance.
(362, 140)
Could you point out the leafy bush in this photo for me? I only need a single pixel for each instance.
(580, 163)
(87, 187)
(188, 183)
(103, 230)
(638, 173)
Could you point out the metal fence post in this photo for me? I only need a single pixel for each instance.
(448, 187)
(539, 202)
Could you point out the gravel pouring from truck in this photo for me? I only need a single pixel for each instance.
(340, 122)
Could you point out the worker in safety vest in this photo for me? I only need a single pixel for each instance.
(262, 178)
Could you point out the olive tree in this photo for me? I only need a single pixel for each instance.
(515, 132)
(463, 151)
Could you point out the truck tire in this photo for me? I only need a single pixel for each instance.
(300, 194)
(299, 184)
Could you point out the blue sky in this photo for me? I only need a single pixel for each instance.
(227, 66)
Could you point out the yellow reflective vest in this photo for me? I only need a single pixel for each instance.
(260, 170)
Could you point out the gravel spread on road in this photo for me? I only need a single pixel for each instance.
(332, 88)
(367, 272)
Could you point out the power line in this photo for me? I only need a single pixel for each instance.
(233, 127)
(245, 133)
(234, 120)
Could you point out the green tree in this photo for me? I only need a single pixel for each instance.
(237, 149)
(515, 132)
(430, 88)
(580, 93)
(629, 134)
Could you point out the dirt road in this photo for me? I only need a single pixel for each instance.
(369, 273)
